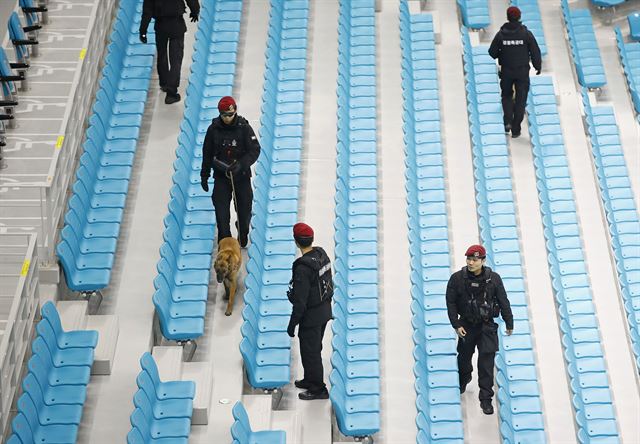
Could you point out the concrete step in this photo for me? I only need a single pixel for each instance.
(259, 409)
(73, 314)
(108, 330)
(288, 420)
(169, 362)
(200, 373)
(315, 420)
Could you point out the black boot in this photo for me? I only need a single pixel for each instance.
(301, 384)
(310, 396)
(486, 407)
(171, 98)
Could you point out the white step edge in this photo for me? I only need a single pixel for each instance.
(108, 329)
(201, 374)
(316, 421)
(474, 37)
(259, 409)
(288, 421)
(73, 314)
(436, 26)
(169, 362)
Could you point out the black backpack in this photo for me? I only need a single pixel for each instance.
(322, 266)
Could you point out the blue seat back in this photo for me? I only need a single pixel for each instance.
(16, 34)
(8, 86)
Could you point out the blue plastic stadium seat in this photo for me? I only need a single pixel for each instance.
(634, 25)
(242, 433)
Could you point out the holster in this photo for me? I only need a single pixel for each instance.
(488, 341)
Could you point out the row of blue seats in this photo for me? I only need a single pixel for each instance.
(630, 59)
(162, 410)
(620, 207)
(532, 20)
(355, 374)
(55, 386)
(24, 46)
(242, 434)
(584, 46)
(92, 223)
(520, 410)
(436, 370)
(585, 361)
(475, 13)
(265, 345)
(184, 268)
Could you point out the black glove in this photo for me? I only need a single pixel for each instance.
(538, 72)
(194, 17)
(234, 168)
(204, 184)
(143, 38)
(291, 330)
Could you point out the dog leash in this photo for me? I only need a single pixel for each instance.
(235, 201)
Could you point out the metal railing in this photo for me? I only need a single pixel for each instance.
(48, 197)
(18, 269)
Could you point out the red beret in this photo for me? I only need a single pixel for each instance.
(302, 230)
(476, 251)
(513, 13)
(226, 103)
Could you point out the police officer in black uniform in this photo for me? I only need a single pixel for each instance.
(230, 148)
(475, 295)
(513, 46)
(310, 292)
(170, 28)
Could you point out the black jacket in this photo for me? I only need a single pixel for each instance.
(308, 309)
(514, 45)
(459, 295)
(227, 143)
(166, 10)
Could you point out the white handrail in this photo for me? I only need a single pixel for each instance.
(19, 324)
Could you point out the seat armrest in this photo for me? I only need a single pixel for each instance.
(24, 42)
(31, 28)
(35, 9)
(11, 78)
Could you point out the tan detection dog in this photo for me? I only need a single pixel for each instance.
(227, 266)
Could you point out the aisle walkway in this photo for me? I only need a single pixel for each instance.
(398, 396)
(545, 329)
(220, 343)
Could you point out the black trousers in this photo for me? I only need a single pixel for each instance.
(222, 196)
(311, 355)
(486, 356)
(513, 107)
(170, 46)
